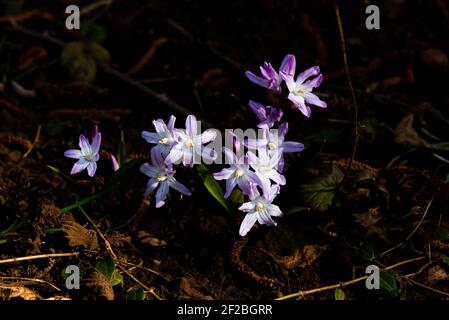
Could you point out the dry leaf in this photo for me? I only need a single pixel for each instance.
(16, 291)
(78, 235)
(310, 253)
(191, 287)
(405, 133)
(148, 238)
(369, 218)
(437, 273)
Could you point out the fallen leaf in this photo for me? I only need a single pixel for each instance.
(190, 286)
(78, 235)
(405, 133)
(309, 254)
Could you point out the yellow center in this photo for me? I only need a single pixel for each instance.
(239, 173)
(272, 146)
(163, 141)
(300, 91)
(259, 206)
(265, 169)
(161, 178)
(189, 143)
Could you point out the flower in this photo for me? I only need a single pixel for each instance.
(164, 135)
(271, 79)
(301, 90)
(260, 209)
(162, 176)
(265, 165)
(114, 162)
(274, 141)
(267, 115)
(189, 144)
(238, 173)
(87, 156)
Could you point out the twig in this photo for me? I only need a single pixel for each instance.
(347, 283)
(411, 233)
(351, 87)
(140, 283)
(162, 98)
(22, 17)
(31, 280)
(149, 54)
(419, 284)
(93, 6)
(39, 256)
(35, 141)
(123, 263)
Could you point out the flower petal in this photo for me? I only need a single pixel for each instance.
(289, 81)
(313, 71)
(230, 185)
(79, 166)
(84, 145)
(257, 80)
(150, 137)
(178, 186)
(292, 146)
(73, 153)
(208, 135)
(171, 123)
(247, 223)
(151, 185)
(300, 104)
(96, 142)
(91, 168)
(161, 194)
(288, 65)
(224, 174)
(191, 126)
(247, 206)
(313, 99)
(258, 109)
(174, 156)
(273, 210)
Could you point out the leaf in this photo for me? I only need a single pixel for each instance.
(388, 282)
(320, 193)
(109, 185)
(135, 294)
(94, 32)
(62, 174)
(406, 135)
(80, 65)
(80, 59)
(367, 252)
(236, 196)
(445, 259)
(339, 294)
(213, 187)
(121, 153)
(443, 235)
(447, 179)
(106, 267)
(116, 278)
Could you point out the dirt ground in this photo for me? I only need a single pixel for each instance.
(389, 210)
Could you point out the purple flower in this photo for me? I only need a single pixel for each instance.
(161, 176)
(271, 79)
(164, 135)
(239, 174)
(268, 115)
(265, 165)
(274, 141)
(301, 90)
(189, 144)
(87, 155)
(260, 209)
(114, 162)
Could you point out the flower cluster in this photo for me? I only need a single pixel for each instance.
(258, 173)
(300, 90)
(173, 146)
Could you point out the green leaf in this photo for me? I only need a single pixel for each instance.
(213, 187)
(388, 282)
(121, 154)
(320, 193)
(443, 235)
(445, 259)
(135, 294)
(116, 278)
(109, 185)
(236, 196)
(62, 174)
(94, 32)
(80, 59)
(447, 179)
(339, 294)
(50, 231)
(2, 241)
(106, 267)
(367, 252)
